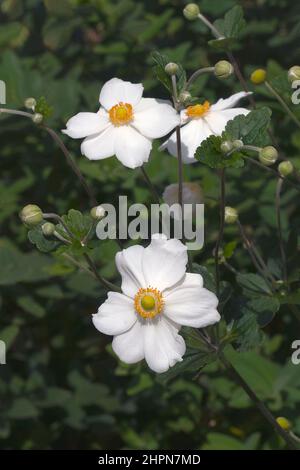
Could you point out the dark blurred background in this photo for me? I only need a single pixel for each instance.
(62, 387)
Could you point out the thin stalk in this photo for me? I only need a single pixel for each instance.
(283, 103)
(197, 74)
(61, 145)
(108, 285)
(151, 186)
(279, 228)
(271, 170)
(213, 29)
(221, 228)
(258, 403)
(52, 215)
(60, 238)
(257, 261)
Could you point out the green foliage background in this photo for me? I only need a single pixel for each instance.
(62, 387)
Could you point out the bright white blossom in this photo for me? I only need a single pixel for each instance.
(158, 296)
(201, 121)
(125, 124)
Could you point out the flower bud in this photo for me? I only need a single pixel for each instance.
(284, 423)
(48, 229)
(231, 215)
(237, 144)
(37, 118)
(191, 195)
(31, 215)
(223, 69)
(226, 146)
(191, 11)
(268, 155)
(294, 73)
(258, 76)
(184, 97)
(171, 68)
(30, 103)
(285, 168)
(97, 212)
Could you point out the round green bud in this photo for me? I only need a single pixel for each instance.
(191, 11)
(184, 97)
(226, 146)
(30, 103)
(171, 68)
(31, 215)
(97, 212)
(237, 144)
(294, 73)
(268, 155)
(285, 168)
(48, 229)
(284, 423)
(231, 215)
(37, 118)
(258, 76)
(223, 69)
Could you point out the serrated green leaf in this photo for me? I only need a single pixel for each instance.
(251, 129)
(232, 24)
(36, 236)
(161, 61)
(211, 155)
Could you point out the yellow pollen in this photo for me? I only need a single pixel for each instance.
(121, 114)
(148, 302)
(197, 110)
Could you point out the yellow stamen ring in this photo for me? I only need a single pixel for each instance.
(148, 302)
(197, 110)
(121, 114)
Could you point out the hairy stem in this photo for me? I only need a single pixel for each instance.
(283, 103)
(221, 228)
(279, 229)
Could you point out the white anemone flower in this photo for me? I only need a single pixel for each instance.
(125, 124)
(201, 121)
(157, 298)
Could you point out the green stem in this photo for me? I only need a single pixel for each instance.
(197, 74)
(283, 103)
(52, 215)
(108, 285)
(279, 228)
(151, 186)
(221, 228)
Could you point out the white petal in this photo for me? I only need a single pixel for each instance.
(131, 148)
(129, 265)
(192, 135)
(97, 147)
(163, 345)
(85, 124)
(190, 304)
(229, 102)
(129, 346)
(216, 122)
(116, 315)
(155, 118)
(232, 113)
(116, 91)
(164, 263)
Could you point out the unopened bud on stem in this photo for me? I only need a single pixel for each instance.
(171, 68)
(237, 144)
(30, 103)
(268, 155)
(37, 118)
(223, 69)
(226, 146)
(31, 215)
(231, 215)
(284, 423)
(294, 73)
(191, 11)
(285, 168)
(184, 97)
(97, 212)
(48, 229)
(258, 76)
